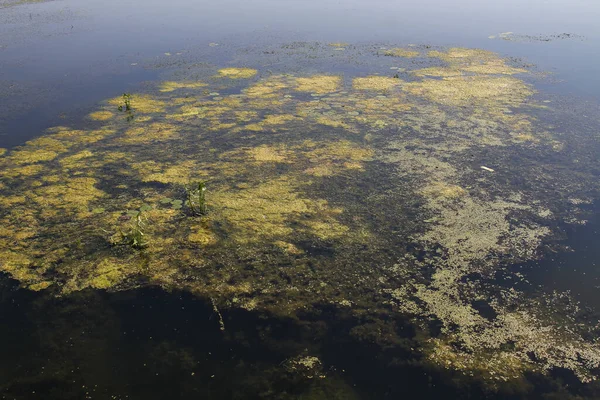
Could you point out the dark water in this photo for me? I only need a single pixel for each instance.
(575, 267)
(59, 59)
(152, 344)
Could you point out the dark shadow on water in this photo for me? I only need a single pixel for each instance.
(152, 344)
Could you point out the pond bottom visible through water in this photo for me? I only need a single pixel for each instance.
(153, 344)
(148, 343)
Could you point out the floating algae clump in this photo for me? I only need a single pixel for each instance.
(237, 73)
(141, 103)
(178, 173)
(33, 156)
(157, 131)
(72, 193)
(331, 158)
(438, 72)
(107, 273)
(269, 154)
(101, 115)
(476, 61)
(171, 86)
(269, 121)
(202, 236)
(470, 90)
(74, 161)
(444, 190)
(319, 84)
(369, 196)
(17, 265)
(268, 88)
(399, 52)
(38, 150)
(264, 211)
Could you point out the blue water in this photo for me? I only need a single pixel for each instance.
(73, 53)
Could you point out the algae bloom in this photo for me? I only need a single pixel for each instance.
(354, 190)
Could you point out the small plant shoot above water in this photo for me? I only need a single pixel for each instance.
(134, 236)
(126, 106)
(195, 198)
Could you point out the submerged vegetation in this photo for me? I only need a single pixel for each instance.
(134, 236)
(364, 192)
(126, 106)
(196, 198)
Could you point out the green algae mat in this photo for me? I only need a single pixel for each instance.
(403, 186)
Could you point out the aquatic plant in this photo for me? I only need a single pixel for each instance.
(195, 196)
(126, 102)
(175, 204)
(134, 236)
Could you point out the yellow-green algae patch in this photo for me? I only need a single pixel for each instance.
(270, 121)
(469, 90)
(141, 103)
(107, 273)
(171, 86)
(177, 173)
(237, 73)
(437, 71)
(400, 52)
(264, 211)
(268, 88)
(37, 151)
(33, 156)
(101, 115)
(476, 61)
(157, 131)
(319, 84)
(74, 161)
(17, 265)
(71, 194)
(269, 154)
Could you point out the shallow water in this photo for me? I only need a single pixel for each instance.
(401, 200)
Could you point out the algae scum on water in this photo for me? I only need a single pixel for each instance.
(383, 191)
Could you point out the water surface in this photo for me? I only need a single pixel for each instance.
(399, 200)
